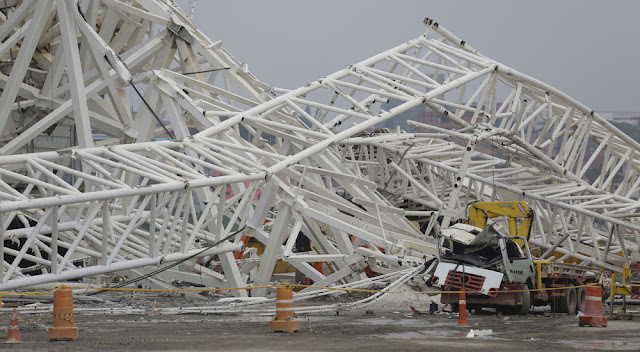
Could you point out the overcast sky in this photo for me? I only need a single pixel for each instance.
(588, 49)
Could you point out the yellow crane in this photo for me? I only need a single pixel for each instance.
(480, 212)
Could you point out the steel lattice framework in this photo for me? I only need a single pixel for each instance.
(245, 159)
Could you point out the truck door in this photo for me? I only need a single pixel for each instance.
(518, 266)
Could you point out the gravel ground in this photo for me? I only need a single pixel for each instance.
(392, 327)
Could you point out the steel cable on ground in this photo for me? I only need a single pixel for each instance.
(315, 294)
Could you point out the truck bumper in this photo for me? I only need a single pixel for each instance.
(501, 299)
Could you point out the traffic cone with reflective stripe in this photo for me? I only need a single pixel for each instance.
(63, 328)
(14, 332)
(155, 308)
(462, 309)
(593, 308)
(284, 321)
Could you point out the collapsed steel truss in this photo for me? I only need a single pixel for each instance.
(244, 160)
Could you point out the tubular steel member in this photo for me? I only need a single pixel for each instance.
(284, 321)
(143, 198)
(593, 308)
(63, 329)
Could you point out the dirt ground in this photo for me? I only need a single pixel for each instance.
(385, 330)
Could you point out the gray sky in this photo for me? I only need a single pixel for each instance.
(588, 49)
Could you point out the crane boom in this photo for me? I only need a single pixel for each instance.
(480, 212)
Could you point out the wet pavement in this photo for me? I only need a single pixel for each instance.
(382, 331)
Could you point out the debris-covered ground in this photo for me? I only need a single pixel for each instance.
(391, 327)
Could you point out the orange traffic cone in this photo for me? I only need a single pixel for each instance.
(593, 308)
(63, 328)
(285, 320)
(462, 309)
(155, 308)
(14, 332)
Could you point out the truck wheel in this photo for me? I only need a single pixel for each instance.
(455, 307)
(474, 308)
(568, 302)
(606, 293)
(581, 298)
(555, 305)
(525, 307)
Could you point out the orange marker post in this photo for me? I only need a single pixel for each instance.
(593, 308)
(284, 321)
(14, 332)
(462, 309)
(154, 312)
(63, 328)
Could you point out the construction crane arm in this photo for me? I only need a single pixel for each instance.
(480, 212)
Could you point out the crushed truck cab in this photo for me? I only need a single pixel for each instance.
(488, 265)
(498, 271)
(487, 248)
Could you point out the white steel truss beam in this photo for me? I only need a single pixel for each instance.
(243, 163)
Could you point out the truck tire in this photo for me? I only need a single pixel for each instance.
(606, 292)
(569, 301)
(565, 304)
(555, 305)
(455, 307)
(581, 299)
(525, 307)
